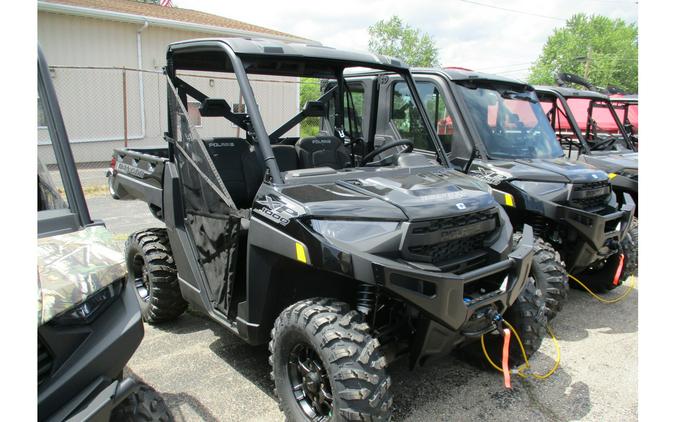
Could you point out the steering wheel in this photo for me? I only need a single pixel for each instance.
(369, 157)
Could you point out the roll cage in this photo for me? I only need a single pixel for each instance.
(267, 57)
(559, 106)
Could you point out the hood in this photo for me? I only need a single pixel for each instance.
(613, 162)
(74, 266)
(544, 170)
(416, 196)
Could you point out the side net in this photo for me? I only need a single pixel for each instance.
(212, 218)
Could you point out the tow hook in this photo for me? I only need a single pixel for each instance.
(613, 244)
(497, 319)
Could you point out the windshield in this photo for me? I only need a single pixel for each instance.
(511, 123)
(597, 121)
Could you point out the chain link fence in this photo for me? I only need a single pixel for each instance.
(108, 107)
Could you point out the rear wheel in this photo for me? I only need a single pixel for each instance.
(528, 317)
(326, 366)
(549, 275)
(152, 271)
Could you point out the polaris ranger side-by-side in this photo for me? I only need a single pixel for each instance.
(89, 321)
(494, 129)
(346, 260)
(626, 107)
(603, 142)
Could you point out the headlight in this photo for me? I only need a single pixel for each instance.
(540, 188)
(86, 311)
(353, 231)
(630, 173)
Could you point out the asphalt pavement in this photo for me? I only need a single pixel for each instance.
(206, 373)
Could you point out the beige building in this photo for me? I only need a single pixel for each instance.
(95, 49)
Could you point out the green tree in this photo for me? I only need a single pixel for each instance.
(602, 50)
(394, 38)
(310, 90)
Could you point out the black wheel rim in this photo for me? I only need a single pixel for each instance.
(141, 278)
(309, 383)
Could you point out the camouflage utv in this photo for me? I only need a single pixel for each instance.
(89, 322)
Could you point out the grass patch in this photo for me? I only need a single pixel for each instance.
(91, 191)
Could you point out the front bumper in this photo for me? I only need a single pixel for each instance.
(451, 316)
(601, 233)
(88, 360)
(442, 296)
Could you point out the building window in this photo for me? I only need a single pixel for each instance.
(238, 108)
(193, 113)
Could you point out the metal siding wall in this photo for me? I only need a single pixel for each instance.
(79, 41)
(91, 100)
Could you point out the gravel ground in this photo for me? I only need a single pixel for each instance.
(206, 373)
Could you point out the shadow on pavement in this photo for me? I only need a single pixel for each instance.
(583, 313)
(448, 386)
(179, 403)
(459, 391)
(250, 361)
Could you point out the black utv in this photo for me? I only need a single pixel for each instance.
(342, 261)
(494, 129)
(89, 322)
(589, 130)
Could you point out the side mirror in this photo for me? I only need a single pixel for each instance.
(214, 107)
(315, 109)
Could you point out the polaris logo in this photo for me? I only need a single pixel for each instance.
(126, 168)
(322, 141)
(461, 206)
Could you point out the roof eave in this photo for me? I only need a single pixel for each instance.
(44, 6)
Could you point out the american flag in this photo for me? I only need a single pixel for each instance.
(166, 3)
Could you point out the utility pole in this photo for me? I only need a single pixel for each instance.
(587, 66)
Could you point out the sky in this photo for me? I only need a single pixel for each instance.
(467, 34)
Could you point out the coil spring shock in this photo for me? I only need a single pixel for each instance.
(365, 298)
(539, 226)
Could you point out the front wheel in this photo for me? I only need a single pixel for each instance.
(549, 275)
(143, 405)
(629, 244)
(326, 366)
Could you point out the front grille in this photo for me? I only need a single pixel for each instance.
(590, 196)
(454, 222)
(45, 362)
(450, 240)
(444, 251)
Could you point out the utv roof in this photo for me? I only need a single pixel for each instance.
(457, 74)
(571, 92)
(208, 54)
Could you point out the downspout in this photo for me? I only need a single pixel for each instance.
(141, 91)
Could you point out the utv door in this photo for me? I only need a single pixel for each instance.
(211, 218)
